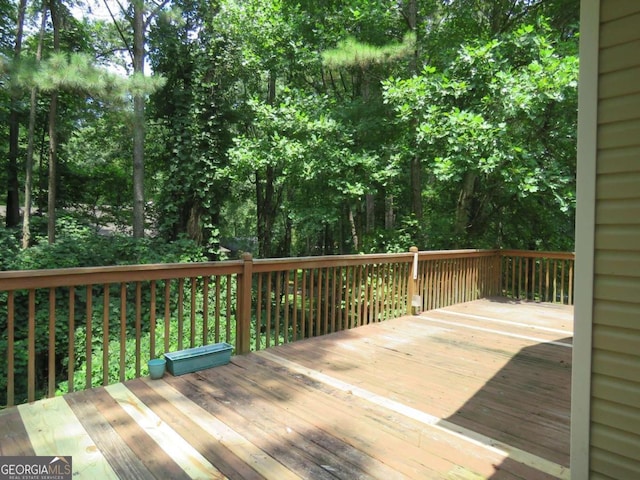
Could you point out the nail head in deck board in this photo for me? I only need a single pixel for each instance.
(159, 463)
(121, 458)
(54, 430)
(201, 432)
(14, 440)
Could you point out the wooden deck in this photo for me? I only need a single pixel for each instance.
(477, 390)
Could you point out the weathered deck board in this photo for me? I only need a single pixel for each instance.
(477, 390)
(514, 390)
(14, 440)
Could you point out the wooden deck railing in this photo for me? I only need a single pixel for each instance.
(68, 329)
(537, 276)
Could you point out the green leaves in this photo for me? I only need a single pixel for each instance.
(496, 110)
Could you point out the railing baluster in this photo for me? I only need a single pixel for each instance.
(562, 278)
(227, 325)
(325, 319)
(268, 309)
(218, 308)
(318, 316)
(51, 383)
(303, 305)
(571, 264)
(278, 276)
(71, 346)
(89, 335)
(167, 313)
(152, 320)
(105, 335)
(10, 349)
(294, 319)
(310, 317)
(138, 327)
(287, 305)
(194, 286)
(260, 301)
(546, 283)
(555, 281)
(334, 295)
(205, 310)
(31, 348)
(123, 330)
(180, 313)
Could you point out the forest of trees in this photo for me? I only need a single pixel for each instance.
(284, 127)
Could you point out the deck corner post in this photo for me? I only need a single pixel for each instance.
(243, 321)
(412, 283)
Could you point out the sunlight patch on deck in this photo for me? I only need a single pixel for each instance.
(431, 421)
(187, 457)
(54, 430)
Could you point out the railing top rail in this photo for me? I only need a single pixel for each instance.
(67, 277)
(445, 254)
(327, 261)
(538, 254)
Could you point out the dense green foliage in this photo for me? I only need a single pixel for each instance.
(359, 125)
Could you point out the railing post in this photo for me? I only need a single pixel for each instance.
(243, 321)
(413, 305)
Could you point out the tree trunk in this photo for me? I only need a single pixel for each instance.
(415, 163)
(371, 212)
(266, 202)
(53, 159)
(13, 186)
(53, 135)
(28, 182)
(389, 217)
(138, 122)
(463, 208)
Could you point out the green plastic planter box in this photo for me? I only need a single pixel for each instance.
(198, 358)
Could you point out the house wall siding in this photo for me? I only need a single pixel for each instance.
(615, 392)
